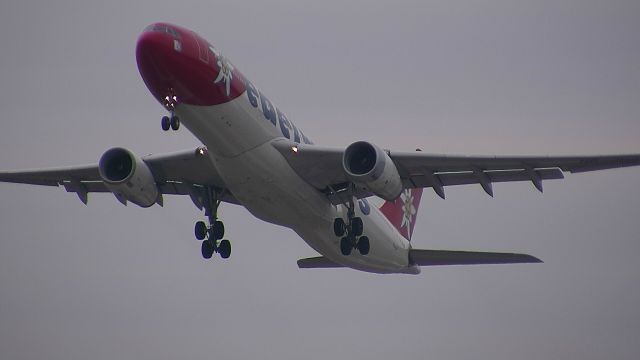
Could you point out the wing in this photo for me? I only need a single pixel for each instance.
(186, 172)
(437, 258)
(322, 168)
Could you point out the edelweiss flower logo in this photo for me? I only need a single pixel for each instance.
(225, 75)
(408, 210)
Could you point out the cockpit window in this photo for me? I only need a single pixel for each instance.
(163, 28)
(173, 32)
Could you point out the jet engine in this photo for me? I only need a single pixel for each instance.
(371, 168)
(128, 177)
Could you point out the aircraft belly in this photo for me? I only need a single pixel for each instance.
(265, 184)
(261, 179)
(227, 129)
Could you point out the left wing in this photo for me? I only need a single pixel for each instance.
(180, 173)
(322, 167)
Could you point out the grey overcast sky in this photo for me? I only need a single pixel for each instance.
(471, 77)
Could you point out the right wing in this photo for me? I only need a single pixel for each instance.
(436, 171)
(186, 172)
(322, 168)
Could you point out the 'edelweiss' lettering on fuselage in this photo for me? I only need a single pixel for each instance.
(274, 115)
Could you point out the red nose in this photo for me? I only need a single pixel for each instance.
(179, 67)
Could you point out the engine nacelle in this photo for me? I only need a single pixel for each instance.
(370, 167)
(128, 177)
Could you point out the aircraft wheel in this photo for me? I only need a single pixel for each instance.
(200, 230)
(207, 249)
(175, 122)
(224, 248)
(166, 123)
(345, 246)
(339, 227)
(363, 245)
(356, 226)
(217, 230)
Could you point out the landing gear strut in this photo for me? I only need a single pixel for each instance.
(212, 235)
(351, 232)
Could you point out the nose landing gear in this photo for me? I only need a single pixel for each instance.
(170, 102)
(172, 123)
(212, 235)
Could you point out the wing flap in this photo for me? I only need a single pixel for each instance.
(187, 166)
(469, 177)
(318, 165)
(449, 257)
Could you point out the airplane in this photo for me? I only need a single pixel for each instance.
(355, 206)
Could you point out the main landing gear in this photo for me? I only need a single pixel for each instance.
(211, 235)
(351, 232)
(170, 122)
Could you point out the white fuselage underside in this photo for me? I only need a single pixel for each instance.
(239, 140)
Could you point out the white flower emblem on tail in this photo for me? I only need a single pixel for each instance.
(225, 75)
(408, 210)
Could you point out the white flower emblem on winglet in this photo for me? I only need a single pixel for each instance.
(408, 210)
(225, 75)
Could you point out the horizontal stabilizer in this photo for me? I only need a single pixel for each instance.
(436, 258)
(447, 257)
(319, 262)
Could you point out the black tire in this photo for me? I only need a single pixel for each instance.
(165, 122)
(339, 227)
(200, 230)
(356, 226)
(207, 249)
(224, 249)
(363, 245)
(345, 246)
(218, 230)
(175, 123)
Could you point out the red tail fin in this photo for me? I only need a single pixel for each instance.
(402, 212)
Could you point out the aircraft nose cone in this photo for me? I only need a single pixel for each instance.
(155, 57)
(179, 67)
(151, 47)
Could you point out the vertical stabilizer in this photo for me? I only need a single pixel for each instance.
(402, 212)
